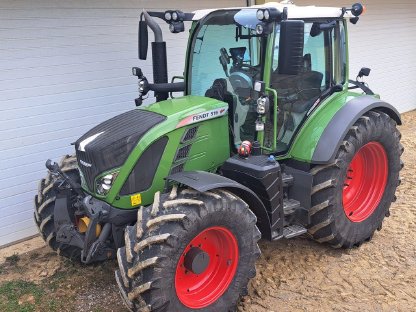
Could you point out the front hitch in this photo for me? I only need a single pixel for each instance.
(93, 248)
(54, 169)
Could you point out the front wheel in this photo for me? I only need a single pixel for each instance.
(351, 196)
(188, 251)
(45, 205)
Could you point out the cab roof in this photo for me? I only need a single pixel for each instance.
(294, 11)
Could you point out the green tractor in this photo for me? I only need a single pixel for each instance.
(268, 141)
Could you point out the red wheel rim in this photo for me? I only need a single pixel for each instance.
(200, 290)
(365, 182)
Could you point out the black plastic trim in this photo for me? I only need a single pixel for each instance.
(143, 173)
(343, 120)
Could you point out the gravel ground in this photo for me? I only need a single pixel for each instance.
(301, 275)
(292, 275)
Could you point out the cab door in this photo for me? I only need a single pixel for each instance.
(299, 92)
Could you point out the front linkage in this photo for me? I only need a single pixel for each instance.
(78, 218)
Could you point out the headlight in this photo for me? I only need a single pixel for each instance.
(262, 105)
(105, 183)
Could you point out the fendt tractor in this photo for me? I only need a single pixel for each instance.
(268, 141)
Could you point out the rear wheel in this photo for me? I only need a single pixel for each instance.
(189, 251)
(351, 196)
(44, 209)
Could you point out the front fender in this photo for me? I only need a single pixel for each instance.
(204, 181)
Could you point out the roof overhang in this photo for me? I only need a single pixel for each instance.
(294, 11)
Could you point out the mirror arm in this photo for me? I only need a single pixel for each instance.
(167, 87)
(173, 80)
(361, 85)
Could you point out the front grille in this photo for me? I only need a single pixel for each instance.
(87, 171)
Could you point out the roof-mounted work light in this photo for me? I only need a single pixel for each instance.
(175, 16)
(268, 15)
(175, 20)
(176, 27)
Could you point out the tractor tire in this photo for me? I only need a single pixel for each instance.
(182, 239)
(44, 209)
(352, 195)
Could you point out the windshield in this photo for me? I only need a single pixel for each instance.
(225, 62)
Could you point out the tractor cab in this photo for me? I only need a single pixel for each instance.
(295, 61)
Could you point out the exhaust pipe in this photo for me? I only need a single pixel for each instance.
(160, 64)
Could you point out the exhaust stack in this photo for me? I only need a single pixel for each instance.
(159, 58)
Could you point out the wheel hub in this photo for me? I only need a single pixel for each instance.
(196, 260)
(206, 267)
(365, 182)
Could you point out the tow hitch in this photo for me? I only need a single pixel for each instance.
(69, 210)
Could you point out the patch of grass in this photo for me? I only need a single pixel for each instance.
(34, 255)
(12, 291)
(52, 305)
(13, 259)
(57, 279)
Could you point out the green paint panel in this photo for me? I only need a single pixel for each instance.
(307, 138)
(208, 150)
(184, 105)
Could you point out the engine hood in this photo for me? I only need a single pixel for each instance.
(108, 145)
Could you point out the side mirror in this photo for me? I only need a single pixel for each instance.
(357, 9)
(291, 47)
(364, 72)
(143, 40)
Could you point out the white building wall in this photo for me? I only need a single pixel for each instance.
(64, 67)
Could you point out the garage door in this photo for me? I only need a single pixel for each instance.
(64, 67)
(384, 40)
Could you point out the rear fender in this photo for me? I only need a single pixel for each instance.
(343, 120)
(321, 135)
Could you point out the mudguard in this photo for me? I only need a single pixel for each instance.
(342, 121)
(204, 181)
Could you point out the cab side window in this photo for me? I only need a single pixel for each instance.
(339, 52)
(298, 92)
(315, 54)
